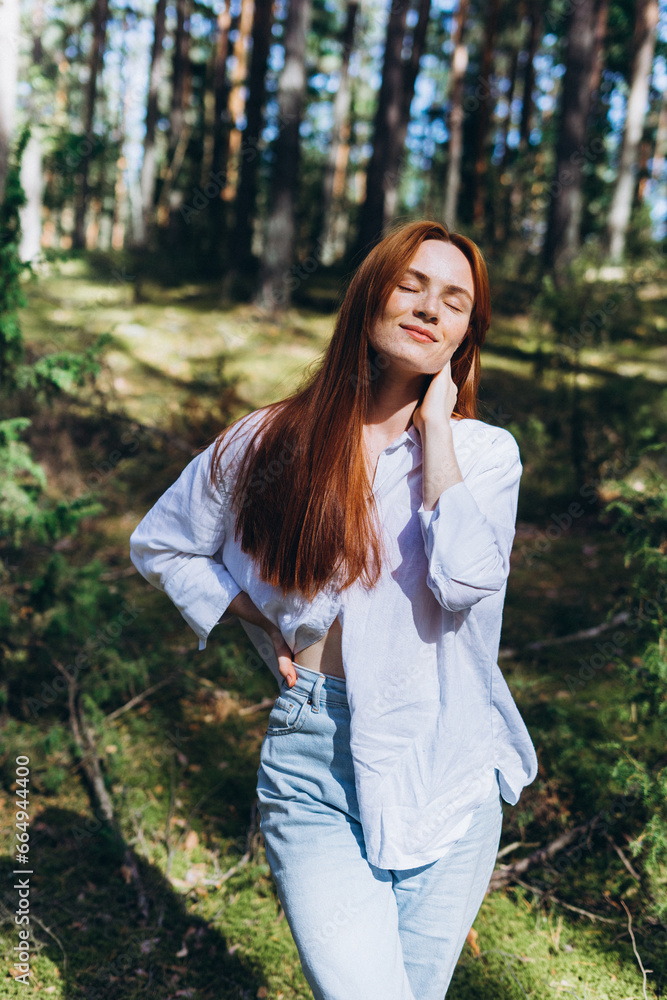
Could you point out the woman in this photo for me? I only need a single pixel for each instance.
(361, 531)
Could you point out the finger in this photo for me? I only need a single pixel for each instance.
(287, 670)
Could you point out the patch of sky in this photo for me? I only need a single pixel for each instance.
(513, 137)
(545, 103)
(660, 74)
(276, 58)
(200, 27)
(439, 131)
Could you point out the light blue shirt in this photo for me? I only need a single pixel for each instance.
(431, 715)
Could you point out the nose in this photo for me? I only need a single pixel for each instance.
(427, 308)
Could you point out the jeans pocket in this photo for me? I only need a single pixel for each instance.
(288, 713)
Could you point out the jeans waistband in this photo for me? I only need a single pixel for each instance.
(322, 688)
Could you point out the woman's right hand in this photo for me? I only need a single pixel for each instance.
(244, 607)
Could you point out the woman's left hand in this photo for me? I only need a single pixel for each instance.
(439, 402)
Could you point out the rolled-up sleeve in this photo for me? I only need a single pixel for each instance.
(177, 547)
(468, 535)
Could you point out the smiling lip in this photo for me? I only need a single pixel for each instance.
(420, 331)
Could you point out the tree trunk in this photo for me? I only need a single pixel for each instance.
(484, 112)
(410, 74)
(600, 34)
(503, 219)
(32, 182)
(456, 115)
(220, 92)
(149, 164)
(511, 92)
(391, 121)
(534, 39)
(9, 48)
(32, 175)
(181, 79)
(275, 285)
(565, 210)
(100, 18)
(660, 145)
(646, 24)
(246, 199)
(237, 98)
(334, 178)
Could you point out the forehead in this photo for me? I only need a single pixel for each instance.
(443, 262)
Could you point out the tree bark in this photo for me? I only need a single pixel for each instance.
(181, 80)
(32, 182)
(32, 175)
(391, 122)
(246, 199)
(409, 81)
(660, 145)
(221, 92)
(566, 202)
(512, 77)
(9, 49)
(334, 177)
(456, 115)
(100, 18)
(484, 111)
(149, 164)
(646, 25)
(534, 39)
(237, 98)
(275, 285)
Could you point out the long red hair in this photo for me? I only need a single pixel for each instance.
(310, 516)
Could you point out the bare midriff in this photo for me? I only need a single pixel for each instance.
(325, 655)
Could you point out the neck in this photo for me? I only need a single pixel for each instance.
(393, 402)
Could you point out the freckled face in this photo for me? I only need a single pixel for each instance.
(428, 312)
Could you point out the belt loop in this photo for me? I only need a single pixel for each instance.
(315, 693)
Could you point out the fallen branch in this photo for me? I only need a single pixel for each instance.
(259, 707)
(634, 948)
(510, 873)
(584, 633)
(513, 847)
(90, 761)
(567, 906)
(48, 930)
(622, 856)
(140, 697)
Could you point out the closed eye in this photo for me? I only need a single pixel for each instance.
(454, 308)
(404, 288)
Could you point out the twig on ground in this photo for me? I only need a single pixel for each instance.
(622, 856)
(56, 939)
(140, 697)
(233, 870)
(634, 948)
(567, 906)
(259, 707)
(509, 873)
(513, 847)
(84, 737)
(584, 633)
(170, 815)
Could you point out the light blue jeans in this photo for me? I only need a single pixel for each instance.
(363, 933)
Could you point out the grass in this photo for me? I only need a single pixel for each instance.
(181, 766)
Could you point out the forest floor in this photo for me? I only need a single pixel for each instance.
(181, 765)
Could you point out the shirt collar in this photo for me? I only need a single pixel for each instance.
(409, 437)
(414, 435)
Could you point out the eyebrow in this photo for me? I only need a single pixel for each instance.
(455, 289)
